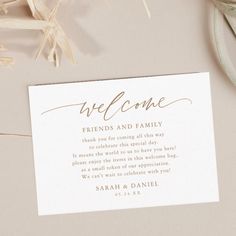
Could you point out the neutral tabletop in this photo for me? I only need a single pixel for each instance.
(114, 39)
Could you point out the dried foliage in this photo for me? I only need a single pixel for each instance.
(224, 10)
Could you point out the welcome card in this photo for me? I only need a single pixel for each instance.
(123, 143)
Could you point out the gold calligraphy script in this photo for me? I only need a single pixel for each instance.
(119, 105)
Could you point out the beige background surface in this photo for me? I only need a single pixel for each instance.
(116, 40)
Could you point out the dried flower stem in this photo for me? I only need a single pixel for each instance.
(11, 23)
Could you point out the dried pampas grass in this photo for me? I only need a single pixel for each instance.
(43, 19)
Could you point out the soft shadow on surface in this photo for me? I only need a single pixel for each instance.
(207, 29)
(20, 41)
(72, 12)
